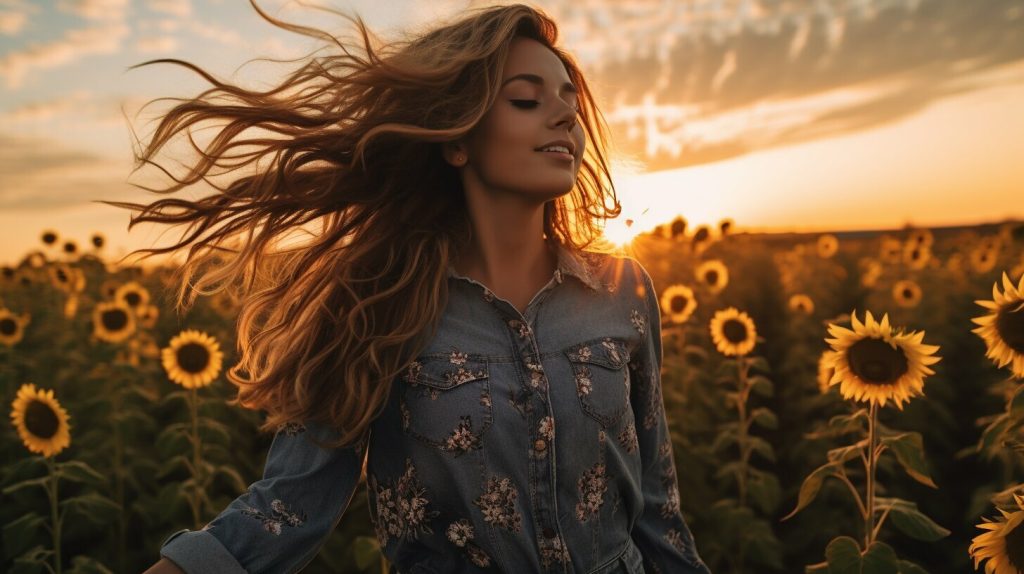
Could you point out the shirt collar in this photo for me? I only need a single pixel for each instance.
(569, 263)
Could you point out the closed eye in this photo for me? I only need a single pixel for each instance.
(527, 104)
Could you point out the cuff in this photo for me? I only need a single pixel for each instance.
(199, 552)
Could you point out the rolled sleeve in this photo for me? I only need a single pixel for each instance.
(279, 524)
(661, 532)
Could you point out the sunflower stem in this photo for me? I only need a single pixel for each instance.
(853, 489)
(741, 405)
(52, 491)
(869, 530)
(196, 456)
(119, 479)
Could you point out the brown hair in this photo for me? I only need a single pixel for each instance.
(351, 141)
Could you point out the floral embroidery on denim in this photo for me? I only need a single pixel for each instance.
(654, 407)
(404, 411)
(676, 539)
(291, 428)
(591, 486)
(412, 373)
(488, 296)
(521, 402)
(638, 320)
(614, 350)
(462, 438)
(547, 428)
(521, 328)
(628, 438)
(281, 516)
(462, 376)
(668, 479)
(457, 358)
(498, 504)
(485, 397)
(583, 382)
(477, 556)
(460, 533)
(553, 550)
(402, 509)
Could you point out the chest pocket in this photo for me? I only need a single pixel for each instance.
(446, 402)
(600, 367)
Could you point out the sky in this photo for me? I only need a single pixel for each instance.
(784, 115)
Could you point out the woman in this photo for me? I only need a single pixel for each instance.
(447, 322)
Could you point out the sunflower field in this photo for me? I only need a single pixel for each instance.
(846, 402)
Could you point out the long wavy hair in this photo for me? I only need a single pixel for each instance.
(349, 142)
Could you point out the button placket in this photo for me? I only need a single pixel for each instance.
(542, 471)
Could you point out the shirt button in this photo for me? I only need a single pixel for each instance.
(549, 532)
(539, 444)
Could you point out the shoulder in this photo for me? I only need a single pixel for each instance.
(619, 273)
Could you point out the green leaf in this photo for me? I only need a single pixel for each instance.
(910, 568)
(726, 437)
(764, 490)
(78, 471)
(366, 551)
(909, 520)
(993, 433)
(843, 424)
(909, 450)
(1015, 405)
(844, 557)
(759, 363)
(232, 475)
(87, 565)
(844, 454)
(32, 562)
(812, 484)
(93, 507)
(41, 482)
(762, 447)
(762, 386)
(175, 462)
(765, 417)
(21, 533)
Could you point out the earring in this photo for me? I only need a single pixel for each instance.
(459, 158)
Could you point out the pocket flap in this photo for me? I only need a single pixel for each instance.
(439, 372)
(607, 352)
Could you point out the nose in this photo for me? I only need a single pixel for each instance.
(567, 116)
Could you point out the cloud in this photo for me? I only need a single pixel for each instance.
(180, 8)
(96, 9)
(11, 22)
(73, 45)
(151, 44)
(38, 174)
(50, 109)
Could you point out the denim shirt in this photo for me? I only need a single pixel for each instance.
(515, 442)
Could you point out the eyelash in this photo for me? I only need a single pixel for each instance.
(534, 103)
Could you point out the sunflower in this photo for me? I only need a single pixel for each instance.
(701, 234)
(49, 237)
(825, 370)
(872, 271)
(97, 240)
(12, 327)
(725, 226)
(906, 293)
(41, 422)
(713, 274)
(71, 306)
(108, 288)
(828, 244)
(132, 294)
(70, 247)
(193, 359)
(1003, 542)
(678, 303)
(1003, 328)
(983, 258)
(35, 260)
(147, 315)
(874, 364)
(112, 321)
(801, 303)
(677, 228)
(922, 237)
(917, 256)
(733, 332)
(891, 250)
(66, 278)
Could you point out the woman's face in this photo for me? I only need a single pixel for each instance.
(537, 105)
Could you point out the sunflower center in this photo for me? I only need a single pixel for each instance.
(114, 319)
(40, 420)
(876, 362)
(908, 294)
(1015, 547)
(132, 298)
(735, 331)
(678, 303)
(711, 277)
(1010, 324)
(62, 276)
(193, 357)
(8, 326)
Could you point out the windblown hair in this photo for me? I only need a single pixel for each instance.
(350, 140)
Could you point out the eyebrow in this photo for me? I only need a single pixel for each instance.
(535, 79)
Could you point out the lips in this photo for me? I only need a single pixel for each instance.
(564, 143)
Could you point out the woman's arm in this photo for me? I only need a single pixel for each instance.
(164, 566)
(279, 524)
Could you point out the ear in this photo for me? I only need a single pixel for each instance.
(454, 153)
